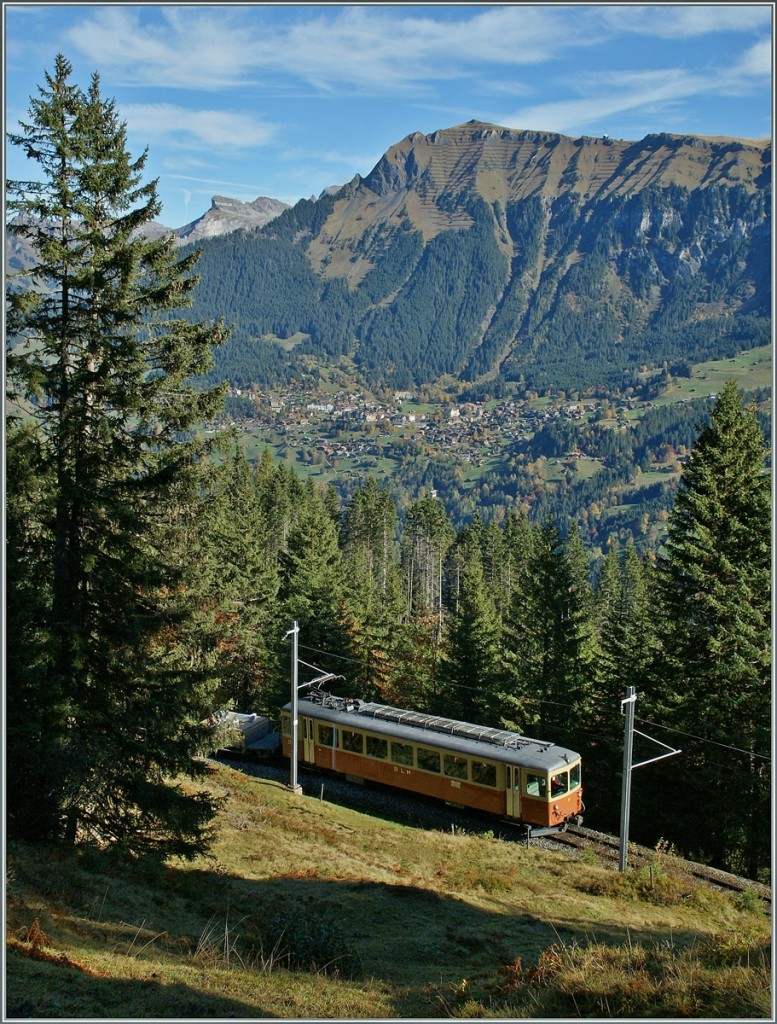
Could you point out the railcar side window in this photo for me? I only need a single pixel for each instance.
(536, 785)
(429, 760)
(401, 753)
(327, 736)
(483, 773)
(286, 725)
(455, 767)
(377, 747)
(559, 784)
(574, 776)
(353, 741)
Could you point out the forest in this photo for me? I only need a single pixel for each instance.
(503, 624)
(592, 290)
(152, 575)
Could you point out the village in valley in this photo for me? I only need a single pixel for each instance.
(338, 424)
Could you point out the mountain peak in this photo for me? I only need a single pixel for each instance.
(503, 165)
(226, 215)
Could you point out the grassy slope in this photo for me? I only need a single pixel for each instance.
(410, 923)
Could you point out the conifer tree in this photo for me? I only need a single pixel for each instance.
(714, 579)
(374, 586)
(241, 581)
(413, 652)
(97, 350)
(426, 539)
(469, 670)
(548, 635)
(313, 592)
(626, 635)
(277, 490)
(498, 565)
(428, 535)
(368, 543)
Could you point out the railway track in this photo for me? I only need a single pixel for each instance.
(427, 813)
(607, 848)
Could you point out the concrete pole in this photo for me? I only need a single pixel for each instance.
(628, 743)
(294, 785)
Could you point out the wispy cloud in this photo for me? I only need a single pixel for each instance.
(205, 49)
(367, 48)
(686, 21)
(183, 128)
(380, 50)
(377, 49)
(604, 94)
(756, 62)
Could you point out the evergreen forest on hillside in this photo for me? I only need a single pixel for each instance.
(152, 575)
(608, 298)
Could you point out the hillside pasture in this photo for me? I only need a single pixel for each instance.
(307, 909)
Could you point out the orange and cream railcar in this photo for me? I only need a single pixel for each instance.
(528, 780)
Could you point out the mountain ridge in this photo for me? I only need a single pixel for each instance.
(480, 251)
(226, 215)
(505, 164)
(257, 212)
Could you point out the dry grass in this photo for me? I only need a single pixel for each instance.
(309, 910)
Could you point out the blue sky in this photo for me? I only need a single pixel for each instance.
(284, 100)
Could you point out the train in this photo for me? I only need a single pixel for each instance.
(532, 782)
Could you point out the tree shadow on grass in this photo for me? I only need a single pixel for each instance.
(49, 990)
(411, 942)
(414, 944)
(416, 941)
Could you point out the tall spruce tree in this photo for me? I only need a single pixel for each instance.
(428, 534)
(239, 581)
(374, 586)
(549, 636)
(97, 353)
(469, 668)
(714, 580)
(626, 634)
(313, 593)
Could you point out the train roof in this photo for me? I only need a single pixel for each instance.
(445, 733)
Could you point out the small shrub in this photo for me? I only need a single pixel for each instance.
(734, 949)
(650, 884)
(514, 977)
(303, 939)
(667, 848)
(749, 901)
(654, 886)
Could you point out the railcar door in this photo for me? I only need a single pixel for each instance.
(308, 745)
(513, 784)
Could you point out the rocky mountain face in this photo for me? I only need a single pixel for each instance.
(417, 179)
(487, 252)
(226, 215)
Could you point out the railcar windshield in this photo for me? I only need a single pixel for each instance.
(559, 784)
(554, 785)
